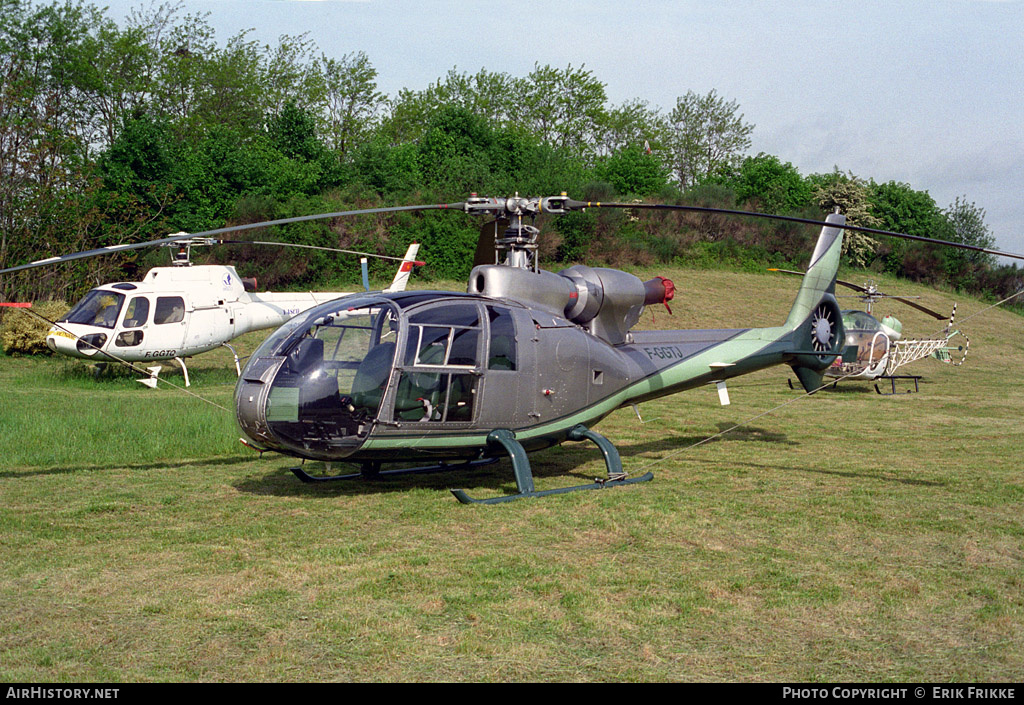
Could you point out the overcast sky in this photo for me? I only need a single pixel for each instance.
(929, 92)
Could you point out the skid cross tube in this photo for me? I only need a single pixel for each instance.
(893, 378)
(524, 475)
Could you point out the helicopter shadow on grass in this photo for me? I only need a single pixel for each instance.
(847, 387)
(114, 375)
(752, 433)
(565, 461)
(836, 386)
(156, 465)
(747, 465)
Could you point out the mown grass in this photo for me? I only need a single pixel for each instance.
(846, 536)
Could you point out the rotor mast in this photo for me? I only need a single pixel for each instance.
(517, 245)
(181, 250)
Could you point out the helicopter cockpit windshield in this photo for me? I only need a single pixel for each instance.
(864, 331)
(333, 366)
(97, 308)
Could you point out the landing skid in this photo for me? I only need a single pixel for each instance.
(524, 475)
(154, 373)
(372, 471)
(892, 379)
(238, 366)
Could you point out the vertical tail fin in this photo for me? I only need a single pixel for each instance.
(820, 278)
(402, 275)
(815, 319)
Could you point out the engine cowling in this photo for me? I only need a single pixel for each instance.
(608, 302)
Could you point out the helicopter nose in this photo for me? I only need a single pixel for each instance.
(60, 341)
(300, 414)
(84, 343)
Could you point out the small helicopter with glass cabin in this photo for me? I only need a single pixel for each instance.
(881, 348)
(181, 310)
(525, 359)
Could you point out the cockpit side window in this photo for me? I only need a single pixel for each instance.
(502, 353)
(358, 351)
(331, 372)
(137, 313)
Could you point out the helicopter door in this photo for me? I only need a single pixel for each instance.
(136, 316)
(439, 370)
(208, 326)
(505, 366)
(166, 334)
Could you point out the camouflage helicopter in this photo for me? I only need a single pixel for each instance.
(525, 359)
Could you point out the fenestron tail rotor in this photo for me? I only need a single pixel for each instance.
(824, 330)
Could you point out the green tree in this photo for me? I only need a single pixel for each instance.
(352, 100)
(293, 132)
(966, 224)
(850, 195)
(179, 86)
(633, 171)
(707, 137)
(45, 125)
(564, 108)
(968, 227)
(901, 208)
(292, 73)
(113, 76)
(487, 94)
(777, 186)
(634, 124)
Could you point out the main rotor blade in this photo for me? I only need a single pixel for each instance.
(850, 285)
(219, 231)
(919, 307)
(580, 205)
(311, 247)
(855, 287)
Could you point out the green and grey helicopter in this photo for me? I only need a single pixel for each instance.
(524, 360)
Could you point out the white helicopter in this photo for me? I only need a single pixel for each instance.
(182, 310)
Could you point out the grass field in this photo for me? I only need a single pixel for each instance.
(845, 537)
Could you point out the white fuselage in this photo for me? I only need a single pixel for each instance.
(174, 312)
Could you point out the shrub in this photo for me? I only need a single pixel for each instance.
(24, 334)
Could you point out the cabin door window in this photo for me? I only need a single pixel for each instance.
(135, 316)
(440, 371)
